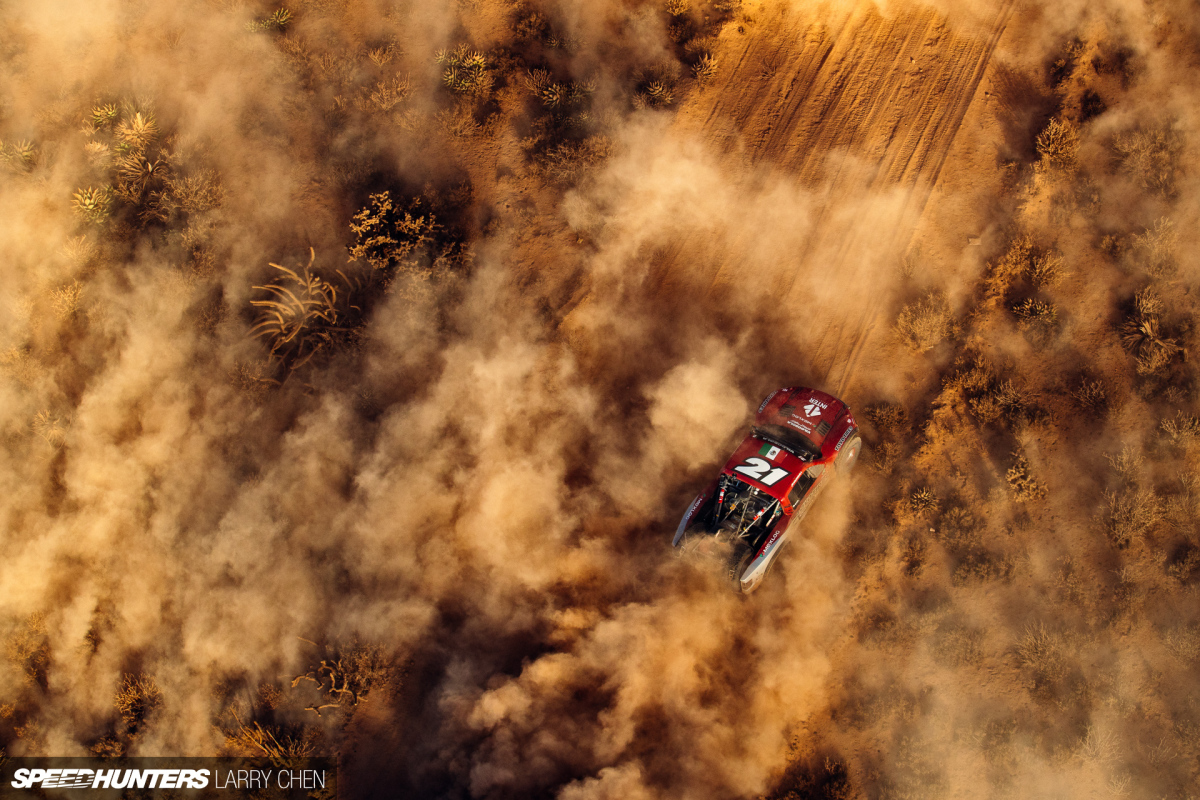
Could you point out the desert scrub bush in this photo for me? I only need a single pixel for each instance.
(303, 314)
(283, 746)
(1043, 655)
(384, 95)
(565, 163)
(890, 419)
(1154, 248)
(389, 238)
(67, 300)
(1131, 513)
(1024, 486)
(348, 676)
(677, 8)
(925, 324)
(1001, 401)
(138, 698)
(1151, 157)
(1045, 270)
(1023, 261)
(1010, 267)
(1144, 334)
(1091, 396)
(1039, 317)
(465, 71)
(28, 649)
(1181, 431)
(1058, 149)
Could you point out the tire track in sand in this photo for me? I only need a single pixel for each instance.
(865, 108)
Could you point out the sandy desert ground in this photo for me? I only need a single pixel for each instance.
(357, 361)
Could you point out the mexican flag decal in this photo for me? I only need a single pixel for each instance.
(770, 451)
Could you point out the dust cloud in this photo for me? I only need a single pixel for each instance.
(357, 362)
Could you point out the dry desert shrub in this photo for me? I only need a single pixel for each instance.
(389, 238)
(136, 700)
(1155, 247)
(1151, 157)
(28, 649)
(1001, 401)
(1044, 655)
(1091, 396)
(565, 163)
(1038, 317)
(1025, 487)
(1046, 270)
(282, 746)
(303, 314)
(1058, 149)
(348, 675)
(1010, 267)
(1144, 334)
(1183, 430)
(1131, 513)
(1183, 642)
(925, 324)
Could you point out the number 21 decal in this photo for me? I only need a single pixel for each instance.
(757, 468)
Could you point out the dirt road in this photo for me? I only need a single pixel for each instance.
(856, 105)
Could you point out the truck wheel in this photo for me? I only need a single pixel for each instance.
(848, 456)
(741, 557)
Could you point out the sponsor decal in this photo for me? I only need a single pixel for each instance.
(770, 451)
(761, 471)
(692, 508)
(771, 541)
(770, 397)
(814, 408)
(842, 440)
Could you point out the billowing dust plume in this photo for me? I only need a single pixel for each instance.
(357, 362)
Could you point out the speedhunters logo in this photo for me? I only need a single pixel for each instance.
(168, 777)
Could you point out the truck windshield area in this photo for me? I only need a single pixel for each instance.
(794, 442)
